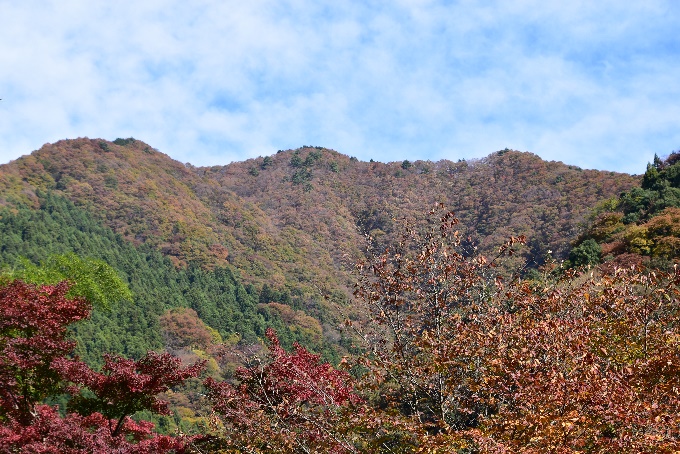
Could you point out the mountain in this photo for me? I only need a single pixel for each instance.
(310, 204)
(323, 193)
(297, 220)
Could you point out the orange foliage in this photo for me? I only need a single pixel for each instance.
(473, 360)
(298, 319)
(183, 329)
(665, 229)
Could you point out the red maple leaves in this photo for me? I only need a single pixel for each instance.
(124, 386)
(34, 365)
(293, 402)
(50, 433)
(33, 321)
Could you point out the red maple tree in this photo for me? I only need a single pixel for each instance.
(124, 386)
(34, 365)
(33, 333)
(290, 403)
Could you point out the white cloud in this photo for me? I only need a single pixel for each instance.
(589, 83)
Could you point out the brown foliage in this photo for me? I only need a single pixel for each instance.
(577, 364)
(183, 329)
(274, 229)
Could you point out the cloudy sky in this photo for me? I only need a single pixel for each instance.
(590, 83)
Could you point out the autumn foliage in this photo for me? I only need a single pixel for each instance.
(51, 433)
(590, 366)
(289, 402)
(33, 322)
(641, 225)
(454, 354)
(34, 365)
(460, 356)
(124, 386)
(490, 363)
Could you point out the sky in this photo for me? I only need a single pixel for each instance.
(590, 83)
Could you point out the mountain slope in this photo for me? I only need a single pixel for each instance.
(296, 220)
(639, 226)
(507, 193)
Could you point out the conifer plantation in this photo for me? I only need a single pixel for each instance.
(308, 302)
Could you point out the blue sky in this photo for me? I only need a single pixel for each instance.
(595, 84)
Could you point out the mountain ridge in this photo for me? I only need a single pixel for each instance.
(311, 199)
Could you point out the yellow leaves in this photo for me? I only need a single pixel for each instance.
(636, 239)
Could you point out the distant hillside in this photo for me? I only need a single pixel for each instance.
(297, 220)
(323, 194)
(290, 218)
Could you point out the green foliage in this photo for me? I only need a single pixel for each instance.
(651, 179)
(660, 189)
(296, 160)
(110, 181)
(406, 164)
(79, 247)
(312, 157)
(301, 176)
(641, 221)
(123, 142)
(92, 279)
(266, 162)
(303, 173)
(608, 205)
(637, 201)
(586, 253)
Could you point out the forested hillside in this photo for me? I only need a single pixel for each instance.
(640, 226)
(217, 295)
(217, 257)
(323, 194)
(278, 217)
(270, 240)
(191, 311)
